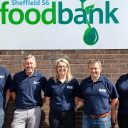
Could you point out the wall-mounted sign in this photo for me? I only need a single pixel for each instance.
(63, 24)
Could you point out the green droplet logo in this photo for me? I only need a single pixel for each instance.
(82, 1)
(90, 36)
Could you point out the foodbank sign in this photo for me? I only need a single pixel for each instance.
(61, 24)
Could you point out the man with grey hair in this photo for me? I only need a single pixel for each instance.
(26, 91)
(100, 98)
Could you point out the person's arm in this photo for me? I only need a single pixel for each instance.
(114, 103)
(7, 87)
(13, 95)
(46, 101)
(13, 88)
(78, 102)
(7, 97)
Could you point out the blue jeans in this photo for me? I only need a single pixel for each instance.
(1, 118)
(88, 122)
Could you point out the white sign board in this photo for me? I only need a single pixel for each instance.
(63, 24)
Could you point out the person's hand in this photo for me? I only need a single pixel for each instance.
(113, 124)
(43, 100)
(113, 120)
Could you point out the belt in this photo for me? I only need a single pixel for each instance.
(29, 107)
(99, 116)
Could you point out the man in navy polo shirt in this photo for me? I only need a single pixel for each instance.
(5, 81)
(100, 97)
(26, 91)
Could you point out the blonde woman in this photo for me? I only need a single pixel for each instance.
(61, 92)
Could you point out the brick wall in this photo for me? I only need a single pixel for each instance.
(114, 64)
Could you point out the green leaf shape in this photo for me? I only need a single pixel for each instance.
(82, 1)
(90, 36)
(88, 8)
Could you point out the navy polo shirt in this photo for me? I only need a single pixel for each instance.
(5, 82)
(28, 89)
(122, 89)
(62, 94)
(97, 95)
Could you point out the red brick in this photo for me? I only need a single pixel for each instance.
(114, 64)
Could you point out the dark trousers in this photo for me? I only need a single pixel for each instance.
(123, 120)
(64, 119)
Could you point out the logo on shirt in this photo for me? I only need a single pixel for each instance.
(102, 90)
(69, 87)
(36, 82)
(1, 76)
